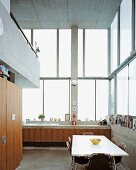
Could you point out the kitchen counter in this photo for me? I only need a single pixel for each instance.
(53, 132)
(57, 126)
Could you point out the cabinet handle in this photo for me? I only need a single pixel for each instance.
(4, 140)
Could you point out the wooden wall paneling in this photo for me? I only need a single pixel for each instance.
(10, 103)
(16, 129)
(2, 123)
(17, 125)
(14, 132)
(10, 126)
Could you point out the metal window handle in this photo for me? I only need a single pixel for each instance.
(4, 140)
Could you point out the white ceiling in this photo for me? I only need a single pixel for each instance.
(49, 14)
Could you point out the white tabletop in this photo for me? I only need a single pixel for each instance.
(82, 146)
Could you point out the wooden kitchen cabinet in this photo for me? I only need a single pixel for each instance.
(106, 133)
(67, 133)
(57, 135)
(26, 134)
(41, 134)
(10, 106)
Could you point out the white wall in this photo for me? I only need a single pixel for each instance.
(6, 3)
(17, 54)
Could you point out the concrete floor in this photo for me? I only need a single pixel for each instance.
(49, 158)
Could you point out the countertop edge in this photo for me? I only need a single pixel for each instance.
(67, 127)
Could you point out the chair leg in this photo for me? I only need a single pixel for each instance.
(72, 161)
(115, 166)
(76, 167)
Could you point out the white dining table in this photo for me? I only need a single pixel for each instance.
(82, 146)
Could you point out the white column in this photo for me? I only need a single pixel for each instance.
(74, 71)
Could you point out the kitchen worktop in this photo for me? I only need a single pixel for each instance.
(59, 131)
(60, 126)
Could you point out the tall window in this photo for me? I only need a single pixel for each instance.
(56, 99)
(47, 42)
(64, 53)
(125, 29)
(132, 88)
(92, 100)
(122, 92)
(112, 96)
(86, 100)
(96, 53)
(32, 102)
(114, 34)
(101, 99)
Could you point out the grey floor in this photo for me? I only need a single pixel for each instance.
(49, 158)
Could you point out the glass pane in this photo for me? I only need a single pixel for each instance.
(96, 53)
(101, 99)
(125, 29)
(112, 102)
(32, 102)
(56, 99)
(64, 53)
(80, 53)
(114, 34)
(86, 100)
(27, 33)
(132, 88)
(122, 92)
(47, 42)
